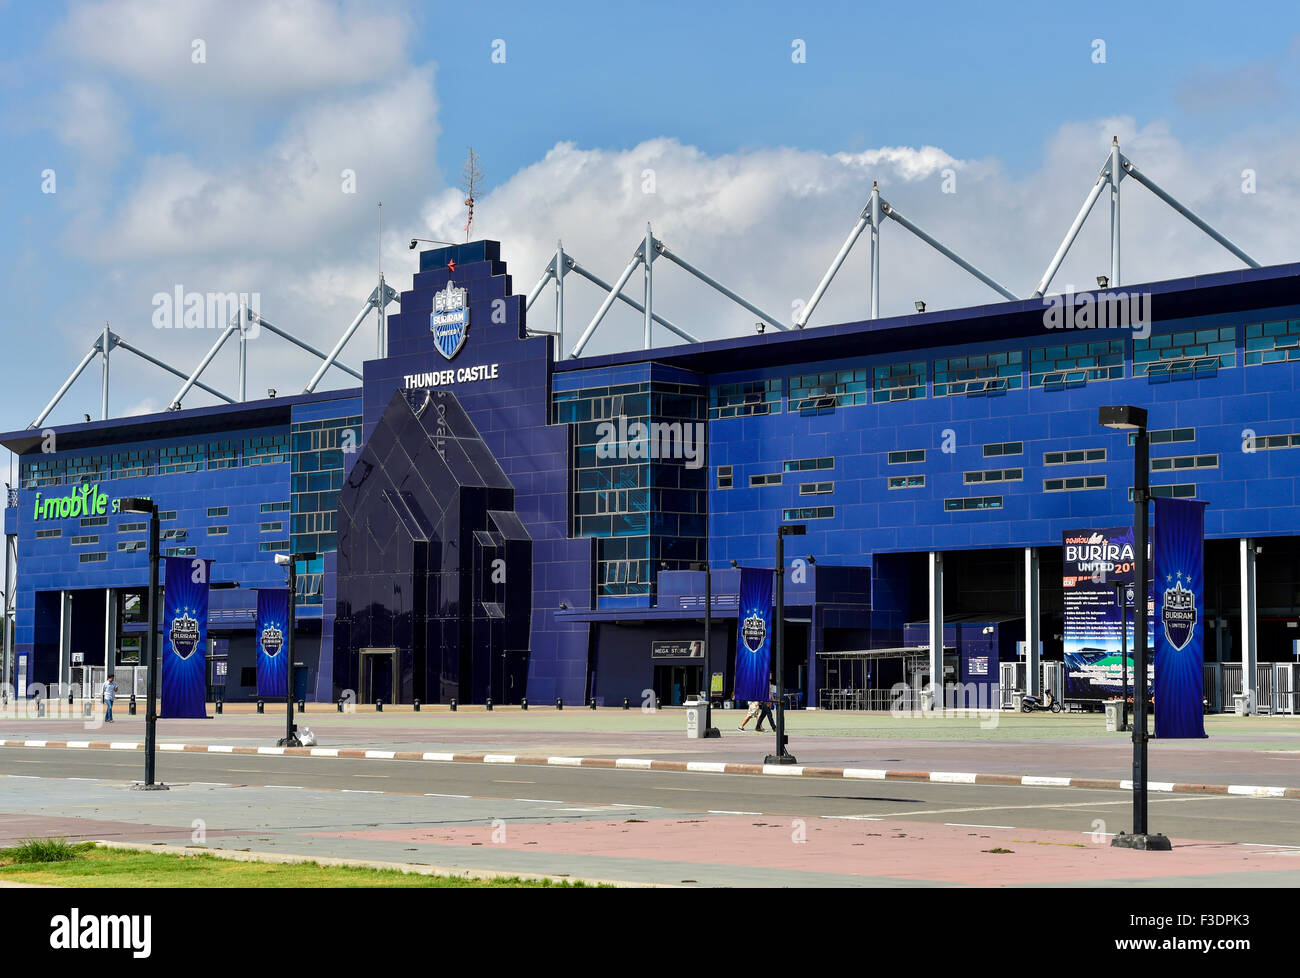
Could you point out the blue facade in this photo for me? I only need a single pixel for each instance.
(970, 431)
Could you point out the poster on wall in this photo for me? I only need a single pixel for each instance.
(271, 631)
(754, 634)
(1092, 562)
(184, 638)
(1180, 618)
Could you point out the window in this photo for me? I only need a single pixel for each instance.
(770, 479)
(266, 450)
(983, 373)
(900, 458)
(87, 468)
(809, 513)
(724, 477)
(94, 521)
(130, 546)
(807, 464)
(993, 475)
(272, 527)
(180, 458)
(132, 527)
(91, 558)
(273, 545)
(1075, 457)
(1178, 462)
(218, 511)
(129, 465)
(168, 514)
(745, 399)
(1186, 353)
(281, 507)
(180, 552)
(972, 502)
(85, 541)
(173, 534)
(1004, 448)
(218, 531)
(42, 472)
(1076, 364)
(1074, 484)
(906, 482)
(1265, 443)
(1163, 436)
(1184, 491)
(898, 382)
(816, 488)
(48, 534)
(1272, 342)
(223, 454)
(815, 393)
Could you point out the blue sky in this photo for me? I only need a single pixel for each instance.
(758, 157)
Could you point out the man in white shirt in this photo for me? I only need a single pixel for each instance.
(109, 692)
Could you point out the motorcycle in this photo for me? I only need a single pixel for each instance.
(1028, 704)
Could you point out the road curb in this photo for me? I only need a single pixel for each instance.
(690, 767)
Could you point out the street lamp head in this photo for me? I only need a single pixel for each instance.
(792, 530)
(1122, 417)
(137, 504)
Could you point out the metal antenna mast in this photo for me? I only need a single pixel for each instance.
(470, 178)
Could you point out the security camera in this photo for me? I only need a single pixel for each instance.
(281, 560)
(413, 244)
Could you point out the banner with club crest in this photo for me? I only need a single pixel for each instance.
(185, 638)
(754, 634)
(272, 633)
(1179, 584)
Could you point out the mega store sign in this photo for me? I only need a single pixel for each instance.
(85, 501)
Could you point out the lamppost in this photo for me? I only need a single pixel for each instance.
(709, 729)
(1122, 593)
(778, 645)
(141, 505)
(291, 562)
(1125, 417)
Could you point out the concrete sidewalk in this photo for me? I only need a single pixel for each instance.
(1240, 751)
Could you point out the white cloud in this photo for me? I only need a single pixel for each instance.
(90, 118)
(253, 48)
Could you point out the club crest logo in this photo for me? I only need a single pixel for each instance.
(272, 640)
(754, 632)
(449, 321)
(1178, 612)
(184, 635)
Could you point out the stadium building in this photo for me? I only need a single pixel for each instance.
(491, 519)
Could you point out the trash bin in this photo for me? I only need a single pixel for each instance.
(1241, 703)
(694, 718)
(1112, 716)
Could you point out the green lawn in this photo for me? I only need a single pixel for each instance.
(54, 863)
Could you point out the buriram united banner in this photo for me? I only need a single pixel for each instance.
(754, 634)
(1180, 617)
(1093, 561)
(272, 631)
(185, 636)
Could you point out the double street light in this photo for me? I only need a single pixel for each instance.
(143, 506)
(1124, 417)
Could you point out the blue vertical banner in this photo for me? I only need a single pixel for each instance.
(272, 633)
(1179, 581)
(754, 634)
(184, 638)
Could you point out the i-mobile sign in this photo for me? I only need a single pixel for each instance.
(85, 501)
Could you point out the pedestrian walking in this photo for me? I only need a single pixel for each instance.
(108, 694)
(765, 709)
(754, 707)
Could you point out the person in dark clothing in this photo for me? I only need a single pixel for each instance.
(765, 709)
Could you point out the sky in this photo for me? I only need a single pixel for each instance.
(206, 145)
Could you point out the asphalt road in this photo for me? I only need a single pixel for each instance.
(1218, 818)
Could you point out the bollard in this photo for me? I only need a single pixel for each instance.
(453, 706)
(625, 706)
(593, 702)
(416, 705)
(69, 697)
(302, 706)
(488, 704)
(657, 703)
(340, 704)
(559, 703)
(219, 704)
(523, 704)
(131, 706)
(261, 706)
(379, 706)
(40, 707)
